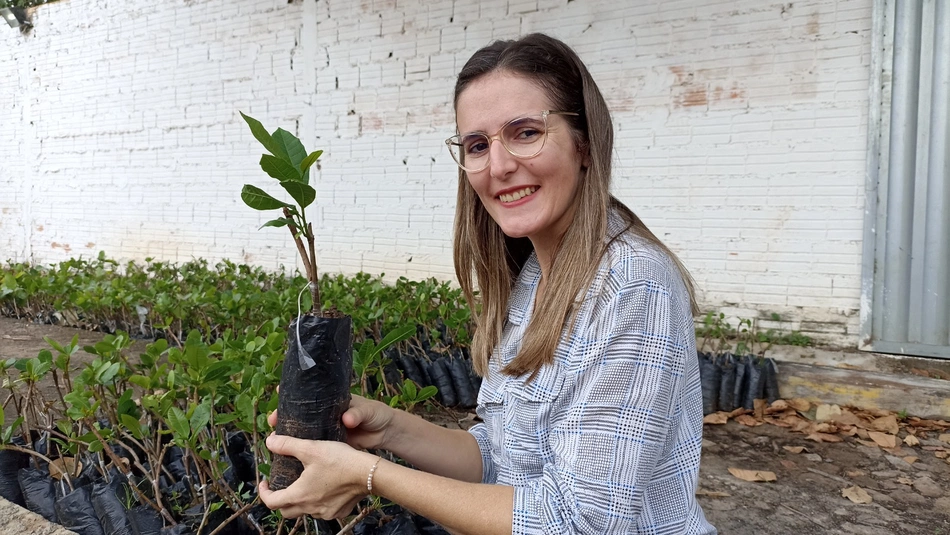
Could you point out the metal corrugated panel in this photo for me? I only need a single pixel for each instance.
(905, 301)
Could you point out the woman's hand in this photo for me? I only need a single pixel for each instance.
(367, 423)
(332, 483)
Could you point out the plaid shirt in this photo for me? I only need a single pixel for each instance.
(606, 440)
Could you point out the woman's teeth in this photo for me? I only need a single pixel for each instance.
(515, 195)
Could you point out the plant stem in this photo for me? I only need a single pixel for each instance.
(352, 524)
(237, 513)
(300, 247)
(314, 276)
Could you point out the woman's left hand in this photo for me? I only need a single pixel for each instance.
(332, 483)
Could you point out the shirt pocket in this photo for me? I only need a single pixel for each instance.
(529, 411)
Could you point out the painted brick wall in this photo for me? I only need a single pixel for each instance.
(740, 129)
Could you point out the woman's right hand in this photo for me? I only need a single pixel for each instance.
(367, 422)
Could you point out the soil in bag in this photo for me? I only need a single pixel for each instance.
(10, 464)
(771, 381)
(410, 369)
(75, 512)
(755, 374)
(463, 387)
(314, 388)
(145, 520)
(739, 387)
(727, 385)
(710, 376)
(38, 492)
(443, 382)
(239, 451)
(108, 498)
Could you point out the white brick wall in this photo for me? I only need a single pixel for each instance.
(740, 132)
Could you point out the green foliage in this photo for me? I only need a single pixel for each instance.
(745, 337)
(164, 299)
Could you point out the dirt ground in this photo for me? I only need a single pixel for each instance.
(908, 486)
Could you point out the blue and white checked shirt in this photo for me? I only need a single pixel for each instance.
(606, 440)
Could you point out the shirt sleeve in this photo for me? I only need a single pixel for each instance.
(480, 432)
(616, 426)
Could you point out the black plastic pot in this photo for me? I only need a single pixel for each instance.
(727, 384)
(39, 493)
(108, 499)
(710, 376)
(443, 382)
(10, 464)
(75, 512)
(145, 520)
(314, 388)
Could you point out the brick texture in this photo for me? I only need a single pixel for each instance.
(740, 132)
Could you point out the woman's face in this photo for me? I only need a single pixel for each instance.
(527, 197)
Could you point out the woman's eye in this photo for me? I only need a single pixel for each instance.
(476, 147)
(527, 134)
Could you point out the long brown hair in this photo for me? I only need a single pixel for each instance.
(482, 250)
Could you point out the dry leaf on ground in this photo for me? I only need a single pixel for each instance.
(942, 454)
(738, 412)
(848, 417)
(778, 405)
(799, 404)
(868, 443)
(827, 412)
(824, 437)
(882, 439)
(789, 465)
(794, 449)
(886, 424)
(863, 433)
(760, 405)
(905, 481)
(753, 475)
(826, 427)
(717, 418)
(856, 494)
(855, 473)
(911, 440)
(944, 437)
(911, 459)
(747, 420)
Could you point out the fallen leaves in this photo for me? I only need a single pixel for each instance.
(712, 493)
(857, 495)
(716, 418)
(753, 476)
(886, 424)
(911, 440)
(883, 439)
(824, 437)
(794, 449)
(747, 420)
(944, 437)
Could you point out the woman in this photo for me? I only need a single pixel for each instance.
(591, 404)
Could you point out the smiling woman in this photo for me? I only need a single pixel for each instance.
(591, 406)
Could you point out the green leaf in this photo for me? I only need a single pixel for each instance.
(302, 193)
(132, 425)
(257, 199)
(426, 393)
(279, 222)
(310, 160)
(201, 416)
(260, 134)
(290, 145)
(179, 423)
(279, 169)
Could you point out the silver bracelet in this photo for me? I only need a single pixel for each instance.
(369, 478)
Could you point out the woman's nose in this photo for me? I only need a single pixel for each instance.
(502, 163)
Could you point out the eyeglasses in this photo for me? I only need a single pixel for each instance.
(523, 137)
